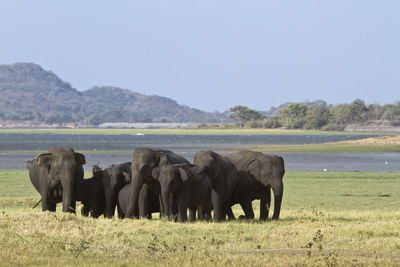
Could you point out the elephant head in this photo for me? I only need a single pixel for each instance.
(208, 162)
(113, 179)
(63, 167)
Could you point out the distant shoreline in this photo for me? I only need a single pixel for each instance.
(174, 131)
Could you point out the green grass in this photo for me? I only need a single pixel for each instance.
(327, 148)
(179, 131)
(327, 219)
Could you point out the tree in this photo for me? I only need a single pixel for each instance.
(358, 111)
(93, 120)
(244, 114)
(317, 116)
(392, 113)
(293, 115)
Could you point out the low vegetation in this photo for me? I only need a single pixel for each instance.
(327, 219)
(317, 115)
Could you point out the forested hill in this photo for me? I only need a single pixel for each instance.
(29, 93)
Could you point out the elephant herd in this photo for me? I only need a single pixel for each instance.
(161, 181)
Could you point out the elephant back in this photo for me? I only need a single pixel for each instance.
(174, 158)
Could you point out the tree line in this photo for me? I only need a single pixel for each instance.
(316, 115)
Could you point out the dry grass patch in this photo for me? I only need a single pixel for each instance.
(381, 140)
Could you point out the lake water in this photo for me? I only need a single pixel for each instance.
(187, 145)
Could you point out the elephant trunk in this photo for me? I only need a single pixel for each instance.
(277, 188)
(110, 203)
(216, 198)
(68, 197)
(165, 195)
(136, 185)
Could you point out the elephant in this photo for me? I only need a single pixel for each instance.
(267, 170)
(247, 190)
(143, 163)
(114, 178)
(91, 194)
(55, 176)
(183, 187)
(149, 200)
(223, 177)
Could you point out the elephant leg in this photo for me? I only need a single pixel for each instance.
(192, 214)
(173, 208)
(248, 209)
(182, 212)
(207, 213)
(144, 202)
(96, 209)
(85, 209)
(230, 214)
(121, 214)
(264, 208)
(73, 206)
(51, 206)
(268, 203)
(201, 213)
(216, 199)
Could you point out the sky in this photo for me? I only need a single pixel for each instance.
(212, 55)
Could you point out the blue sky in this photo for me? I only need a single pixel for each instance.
(213, 55)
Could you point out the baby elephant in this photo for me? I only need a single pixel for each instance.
(149, 201)
(182, 187)
(90, 193)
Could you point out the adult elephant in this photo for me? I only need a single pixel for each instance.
(55, 175)
(184, 188)
(223, 177)
(114, 178)
(144, 161)
(267, 170)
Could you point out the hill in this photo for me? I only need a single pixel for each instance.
(30, 93)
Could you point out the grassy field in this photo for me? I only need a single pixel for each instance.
(180, 131)
(327, 219)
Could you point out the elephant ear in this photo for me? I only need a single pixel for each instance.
(216, 165)
(80, 159)
(162, 158)
(156, 173)
(254, 167)
(183, 174)
(44, 160)
(127, 177)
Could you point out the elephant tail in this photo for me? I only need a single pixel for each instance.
(37, 204)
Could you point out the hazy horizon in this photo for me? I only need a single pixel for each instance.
(213, 55)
